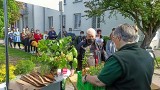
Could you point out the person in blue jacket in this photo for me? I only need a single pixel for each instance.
(52, 34)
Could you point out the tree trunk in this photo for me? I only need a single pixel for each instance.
(147, 40)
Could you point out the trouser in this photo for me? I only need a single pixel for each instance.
(26, 45)
(10, 42)
(33, 48)
(17, 43)
(79, 65)
(22, 42)
(36, 49)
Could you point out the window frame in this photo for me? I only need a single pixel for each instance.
(65, 2)
(63, 21)
(96, 22)
(77, 22)
(77, 1)
(50, 21)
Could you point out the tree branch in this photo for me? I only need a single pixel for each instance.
(136, 19)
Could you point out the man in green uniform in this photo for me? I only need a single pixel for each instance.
(130, 68)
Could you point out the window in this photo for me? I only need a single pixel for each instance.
(18, 21)
(64, 2)
(77, 1)
(77, 20)
(96, 22)
(50, 21)
(63, 21)
(26, 21)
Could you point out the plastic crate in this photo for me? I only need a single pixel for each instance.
(86, 86)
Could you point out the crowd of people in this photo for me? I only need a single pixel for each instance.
(127, 66)
(28, 39)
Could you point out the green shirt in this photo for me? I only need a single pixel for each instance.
(111, 72)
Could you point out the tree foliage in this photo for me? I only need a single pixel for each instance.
(145, 13)
(13, 12)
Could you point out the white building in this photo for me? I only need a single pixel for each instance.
(155, 44)
(43, 18)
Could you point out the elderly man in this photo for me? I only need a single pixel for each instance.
(130, 68)
(91, 48)
(52, 34)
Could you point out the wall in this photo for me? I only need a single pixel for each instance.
(38, 18)
(71, 8)
(113, 22)
(55, 14)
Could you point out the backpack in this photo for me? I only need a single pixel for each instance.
(100, 54)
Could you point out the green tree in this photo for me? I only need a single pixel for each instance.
(145, 13)
(13, 13)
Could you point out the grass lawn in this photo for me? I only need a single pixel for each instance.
(14, 54)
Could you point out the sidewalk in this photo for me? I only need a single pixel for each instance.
(156, 77)
(1, 41)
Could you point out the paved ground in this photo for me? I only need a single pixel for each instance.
(1, 42)
(156, 77)
(155, 80)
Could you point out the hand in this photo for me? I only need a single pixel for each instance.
(84, 79)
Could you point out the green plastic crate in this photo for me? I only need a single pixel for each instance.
(86, 86)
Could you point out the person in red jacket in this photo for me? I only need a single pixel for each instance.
(37, 36)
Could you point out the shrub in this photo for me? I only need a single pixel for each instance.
(106, 38)
(24, 67)
(2, 58)
(1, 33)
(3, 72)
(158, 59)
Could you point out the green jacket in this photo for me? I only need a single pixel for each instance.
(137, 69)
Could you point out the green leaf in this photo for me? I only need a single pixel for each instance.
(75, 63)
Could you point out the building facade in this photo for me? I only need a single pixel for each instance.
(73, 19)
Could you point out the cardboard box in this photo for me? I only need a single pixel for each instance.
(21, 85)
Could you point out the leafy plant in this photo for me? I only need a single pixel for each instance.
(24, 66)
(95, 70)
(85, 58)
(1, 33)
(57, 53)
(3, 72)
(158, 59)
(2, 58)
(13, 13)
(45, 69)
(106, 38)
